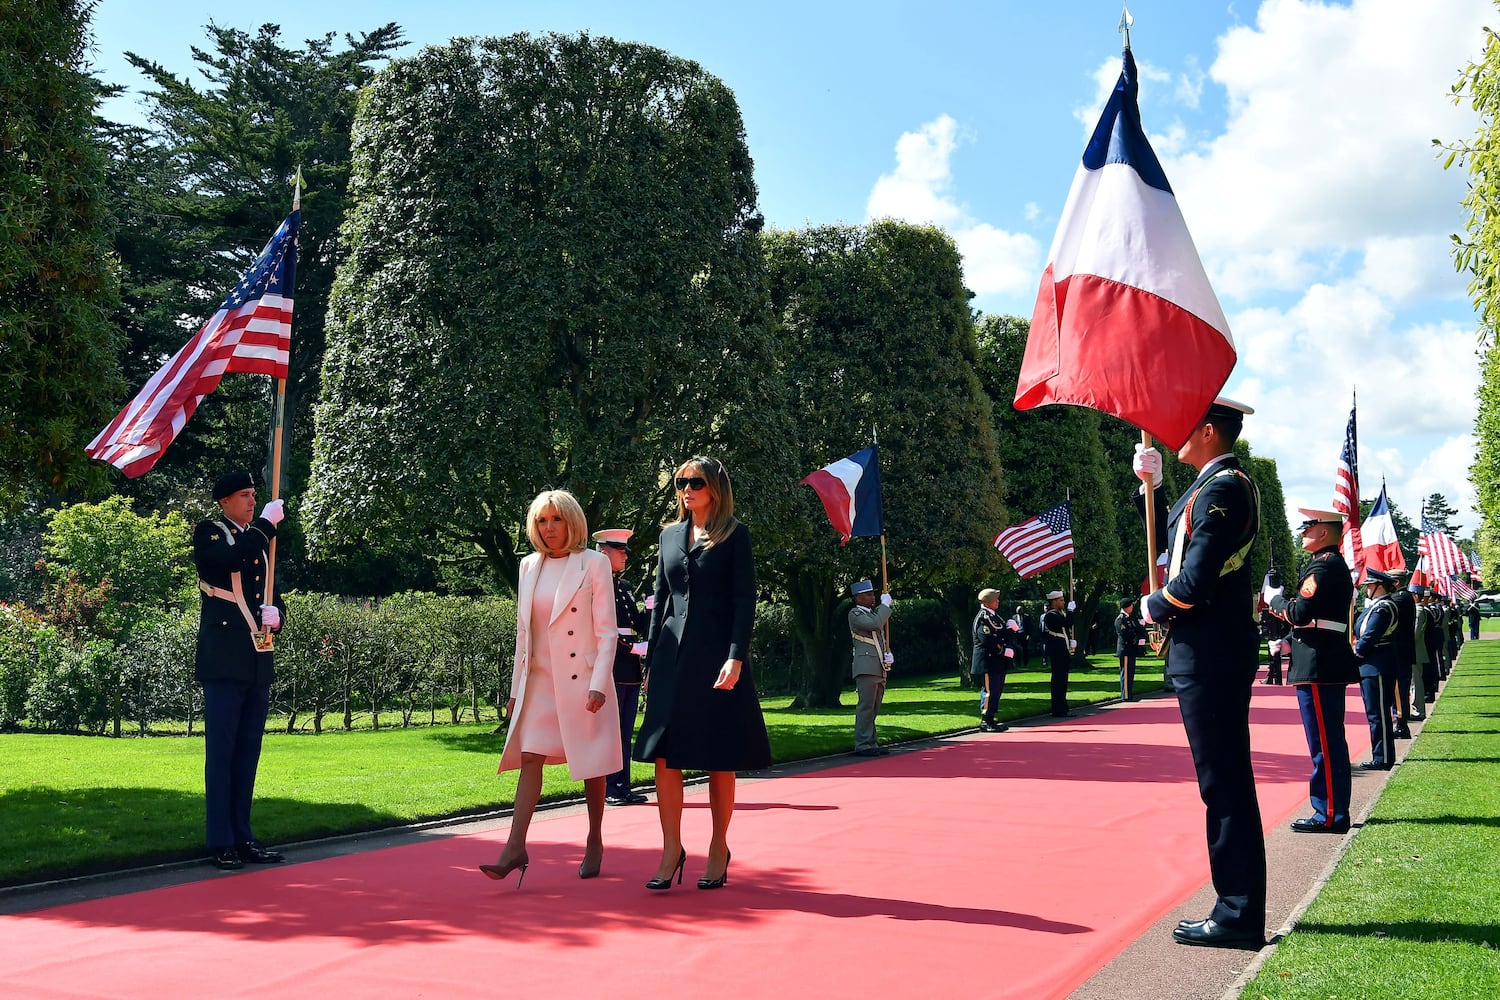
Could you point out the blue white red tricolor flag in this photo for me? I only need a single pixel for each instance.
(1444, 557)
(1126, 321)
(850, 491)
(251, 332)
(1381, 546)
(1346, 500)
(1040, 542)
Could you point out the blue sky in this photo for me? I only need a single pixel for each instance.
(1296, 134)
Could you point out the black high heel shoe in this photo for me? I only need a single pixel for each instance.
(717, 883)
(585, 870)
(498, 871)
(662, 884)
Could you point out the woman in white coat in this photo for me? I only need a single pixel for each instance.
(562, 695)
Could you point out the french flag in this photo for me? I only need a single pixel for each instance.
(1125, 319)
(1382, 547)
(850, 491)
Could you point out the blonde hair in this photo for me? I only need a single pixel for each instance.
(572, 514)
(720, 523)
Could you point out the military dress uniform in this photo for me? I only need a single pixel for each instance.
(1208, 604)
(867, 633)
(1375, 647)
(1130, 639)
(236, 675)
(631, 622)
(1406, 657)
(994, 649)
(1055, 625)
(1322, 667)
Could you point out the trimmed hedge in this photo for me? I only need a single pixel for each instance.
(409, 659)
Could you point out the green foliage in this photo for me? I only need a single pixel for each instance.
(552, 281)
(142, 564)
(876, 332)
(1273, 545)
(69, 691)
(198, 195)
(1485, 472)
(57, 279)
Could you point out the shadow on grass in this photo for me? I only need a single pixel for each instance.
(1483, 934)
(62, 833)
(490, 743)
(1446, 820)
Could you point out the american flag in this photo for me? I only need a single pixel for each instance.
(1040, 542)
(1475, 571)
(1444, 557)
(1346, 499)
(1462, 590)
(251, 332)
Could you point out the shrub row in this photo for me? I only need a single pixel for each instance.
(411, 658)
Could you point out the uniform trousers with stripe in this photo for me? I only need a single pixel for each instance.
(1377, 694)
(1322, 708)
(1216, 717)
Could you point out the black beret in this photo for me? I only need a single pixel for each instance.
(231, 483)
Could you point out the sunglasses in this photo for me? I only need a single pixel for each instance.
(691, 483)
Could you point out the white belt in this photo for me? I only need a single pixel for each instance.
(1060, 635)
(1324, 623)
(235, 596)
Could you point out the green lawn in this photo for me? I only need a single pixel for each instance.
(76, 804)
(1413, 909)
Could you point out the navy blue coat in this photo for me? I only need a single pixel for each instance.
(1375, 638)
(1324, 593)
(221, 551)
(705, 609)
(1211, 612)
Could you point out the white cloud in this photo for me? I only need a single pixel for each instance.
(920, 190)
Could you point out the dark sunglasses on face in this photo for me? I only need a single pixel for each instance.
(691, 483)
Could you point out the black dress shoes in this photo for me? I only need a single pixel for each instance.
(1212, 934)
(1374, 765)
(616, 799)
(227, 860)
(869, 752)
(258, 855)
(629, 797)
(1310, 825)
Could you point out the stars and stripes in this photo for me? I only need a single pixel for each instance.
(1040, 542)
(1444, 557)
(1346, 499)
(1462, 590)
(251, 332)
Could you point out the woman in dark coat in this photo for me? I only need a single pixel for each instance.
(702, 710)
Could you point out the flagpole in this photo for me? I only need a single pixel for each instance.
(885, 587)
(1072, 631)
(1150, 495)
(278, 423)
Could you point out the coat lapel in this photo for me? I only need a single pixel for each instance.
(572, 579)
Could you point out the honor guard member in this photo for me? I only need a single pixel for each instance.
(1058, 649)
(1419, 636)
(1023, 635)
(1406, 650)
(995, 645)
(1318, 611)
(872, 661)
(1130, 642)
(234, 662)
(1208, 604)
(1275, 631)
(1375, 648)
(631, 622)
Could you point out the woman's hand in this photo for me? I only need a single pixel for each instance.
(510, 710)
(595, 701)
(729, 675)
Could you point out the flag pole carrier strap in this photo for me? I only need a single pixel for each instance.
(261, 637)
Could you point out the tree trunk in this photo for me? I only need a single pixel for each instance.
(814, 607)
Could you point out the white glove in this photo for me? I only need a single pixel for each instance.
(639, 649)
(886, 600)
(270, 615)
(1146, 464)
(1072, 645)
(273, 512)
(1072, 606)
(1011, 624)
(1010, 654)
(1146, 618)
(889, 658)
(650, 602)
(1269, 594)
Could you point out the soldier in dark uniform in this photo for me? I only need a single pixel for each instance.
(1130, 639)
(1275, 632)
(1058, 649)
(1023, 636)
(234, 662)
(1208, 603)
(1322, 666)
(1406, 652)
(994, 649)
(1375, 648)
(631, 622)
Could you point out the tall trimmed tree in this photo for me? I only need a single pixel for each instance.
(553, 281)
(58, 352)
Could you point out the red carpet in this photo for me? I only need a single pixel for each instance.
(999, 866)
